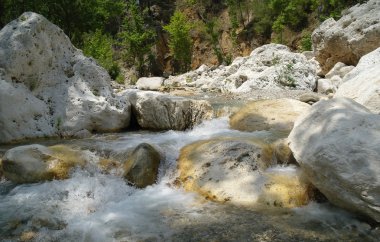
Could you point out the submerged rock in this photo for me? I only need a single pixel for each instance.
(348, 39)
(157, 111)
(362, 84)
(35, 163)
(49, 88)
(337, 145)
(234, 170)
(277, 114)
(141, 169)
(270, 66)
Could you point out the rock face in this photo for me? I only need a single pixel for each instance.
(35, 163)
(270, 66)
(363, 83)
(141, 169)
(337, 145)
(277, 114)
(216, 168)
(346, 40)
(158, 111)
(48, 87)
(150, 83)
(334, 78)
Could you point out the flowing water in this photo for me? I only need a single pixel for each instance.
(94, 206)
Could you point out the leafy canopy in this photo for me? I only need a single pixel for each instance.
(180, 42)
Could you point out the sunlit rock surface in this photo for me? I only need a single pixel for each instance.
(352, 36)
(233, 170)
(35, 163)
(277, 114)
(49, 88)
(271, 66)
(337, 145)
(362, 84)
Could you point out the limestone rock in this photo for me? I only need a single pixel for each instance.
(363, 83)
(277, 114)
(150, 83)
(325, 86)
(311, 98)
(340, 69)
(48, 87)
(233, 170)
(346, 40)
(35, 163)
(158, 111)
(337, 145)
(141, 169)
(270, 66)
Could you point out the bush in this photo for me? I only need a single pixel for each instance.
(180, 42)
(99, 46)
(306, 44)
(138, 37)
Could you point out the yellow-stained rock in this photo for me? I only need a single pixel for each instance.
(235, 170)
(286, 187)
(35, 163)
(277, 114)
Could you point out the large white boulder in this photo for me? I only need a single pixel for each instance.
(48, 87)
(363, 83)
(157, 111)
(337, 145)
(270, 66)
(346, 40)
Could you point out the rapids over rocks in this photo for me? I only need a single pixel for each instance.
(93, 205)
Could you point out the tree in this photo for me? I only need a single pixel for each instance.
(137, 36)
(180, 42)
(75, 17)
(99, 46)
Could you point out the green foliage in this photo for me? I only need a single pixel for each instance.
(180, 42)
(306, 43)
(137, 36)
(213, 33)
(75, 17)
(99, 46)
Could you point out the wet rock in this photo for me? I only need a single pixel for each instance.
(141, 169)
(49, 88)
(232, 170)
(270, 66)
(277, 114)
(150, 83)
(35, 163)
(348, 39)
(362, 84)
(337, 144)
(158, 111)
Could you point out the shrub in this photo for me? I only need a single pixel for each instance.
(99, 46)
(180, 42)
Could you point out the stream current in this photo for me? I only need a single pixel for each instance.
(94, 206)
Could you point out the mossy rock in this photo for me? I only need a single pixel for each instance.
(141, 168)
(35, 163)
